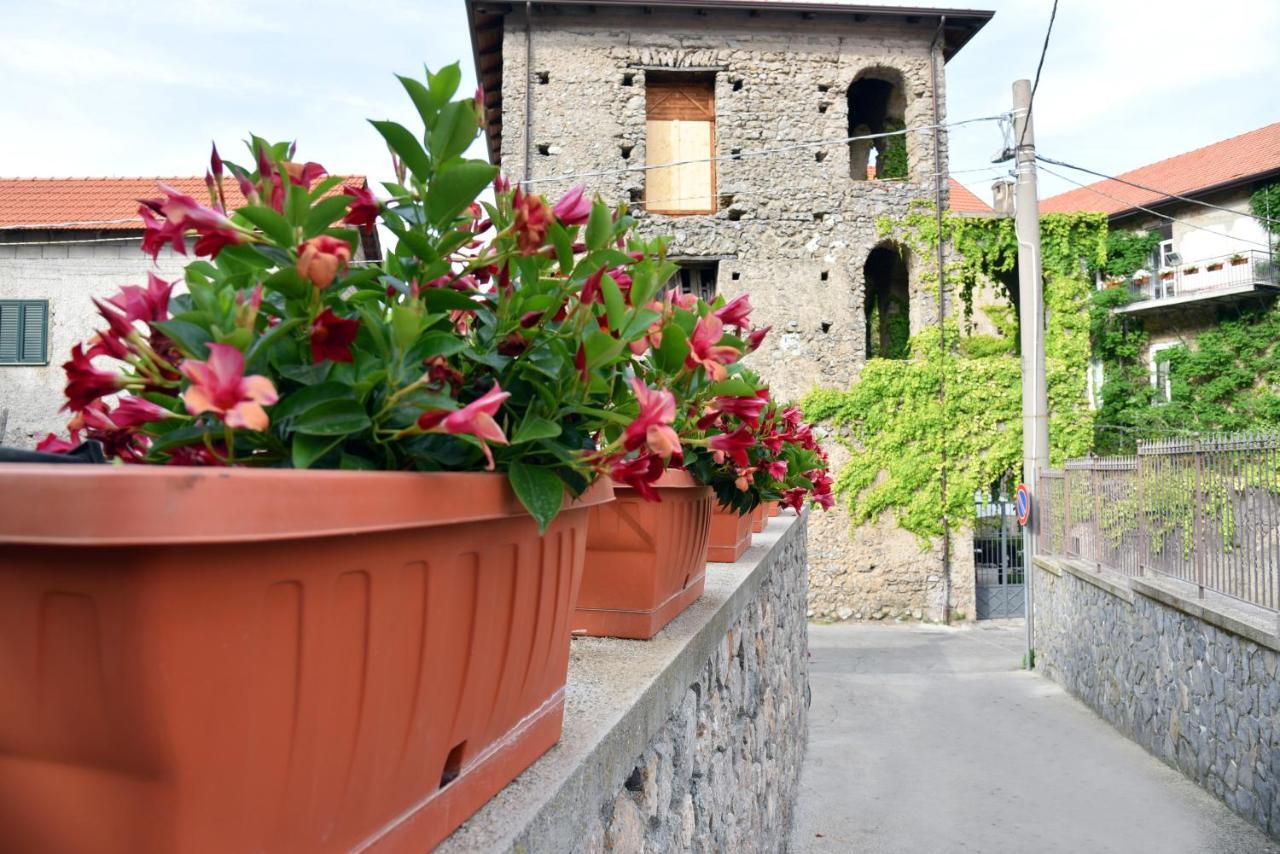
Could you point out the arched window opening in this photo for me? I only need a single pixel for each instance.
(877, 105)
(887, 304)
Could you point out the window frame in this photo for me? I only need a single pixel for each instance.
(1165, 386)
(22, 305)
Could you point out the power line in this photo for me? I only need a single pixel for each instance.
(1044, 49)
(1154, 190)
(799, 146)
(1152, 212)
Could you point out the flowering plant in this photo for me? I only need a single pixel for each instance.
(495, 337)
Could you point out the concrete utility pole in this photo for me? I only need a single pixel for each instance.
(1035, 403)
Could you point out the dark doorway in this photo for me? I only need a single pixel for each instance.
(887, 303)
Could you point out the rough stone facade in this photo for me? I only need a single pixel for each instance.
(722, 772)
(1203, 699)
(792, 228)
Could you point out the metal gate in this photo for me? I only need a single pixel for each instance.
(997, 559)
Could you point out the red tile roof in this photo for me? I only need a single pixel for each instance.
(1238, 158)
(109, 204)
(963, 199)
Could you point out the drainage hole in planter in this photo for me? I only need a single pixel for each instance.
(452, 765)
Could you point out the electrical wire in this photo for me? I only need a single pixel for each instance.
(1152, 212)
(1044, 49)
(1138, 186)
(799, 146)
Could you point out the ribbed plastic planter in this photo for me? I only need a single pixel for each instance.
(730, 535)
(646, 561)
(200, 660)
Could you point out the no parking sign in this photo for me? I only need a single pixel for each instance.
(1022, 500)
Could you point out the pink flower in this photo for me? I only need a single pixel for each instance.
(474, 419)
(756, 337)
(777, 469)
(183, 214)
(85, 383)
(220, 386)
(746, 408)
(652, 427)
(331, 337)
(532, 219)
(136, 411)
(304, 174)
(573, 208)
(639, 474)
(736, 311)
(320, 259)
(363, 209)
(145, 304)
(734, 445)
(51, 444)
(705, 350)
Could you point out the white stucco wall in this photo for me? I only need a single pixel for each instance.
(68, 276)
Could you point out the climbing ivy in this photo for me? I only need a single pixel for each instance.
(1129, 251)
(892, 420)
(1265, 203)
(891, 160)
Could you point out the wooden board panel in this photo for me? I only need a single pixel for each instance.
(686, 188)
(680, 96)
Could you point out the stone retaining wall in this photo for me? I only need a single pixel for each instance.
(692, 741)
(1191, 680)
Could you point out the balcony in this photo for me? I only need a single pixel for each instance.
(1223, 279)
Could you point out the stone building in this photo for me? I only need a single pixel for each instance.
(756, 102)
(1209, 261)
(64, 241)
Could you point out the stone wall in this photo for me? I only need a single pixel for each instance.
(692, 741)
(1191, 680)
(792, 228)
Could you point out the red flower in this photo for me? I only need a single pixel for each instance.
(573, 208)
(734, 444)
(51, 444)
(652, 427)
(120, 439)
(777, 469)
(363, 209)
(794, 498)
(85, 383)
(304, 174)
(182, 214)
(320, 259)
(474, 419)
(145, 304)
(220, 386)
(736, 311)
(136, 411)
(746, 408)
(756, 337)
(196, 455)
(639, 474)
(705, 350)
(331, 337)
(532, 218)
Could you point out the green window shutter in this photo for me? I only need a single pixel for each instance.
(35, 332)
(24, 332)
(10, 325)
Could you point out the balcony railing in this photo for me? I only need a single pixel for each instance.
(1224, 274)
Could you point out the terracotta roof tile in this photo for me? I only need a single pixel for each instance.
(109, 204)
(1240, 157)
(963, 199)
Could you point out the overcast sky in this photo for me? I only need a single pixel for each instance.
(140, 88)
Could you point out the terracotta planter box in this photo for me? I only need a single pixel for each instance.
(646, 561)
(730, 536)
(212, 660)
(759, 518)
(775, 507)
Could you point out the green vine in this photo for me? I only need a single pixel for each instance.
(1265, 203)
(892, 420)
(1129, 251)
(891, 161)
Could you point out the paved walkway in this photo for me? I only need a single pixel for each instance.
(929, 739)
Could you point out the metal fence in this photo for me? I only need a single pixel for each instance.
(1251, 267)
(1206, 511)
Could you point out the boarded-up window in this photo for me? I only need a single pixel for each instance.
(680, 126)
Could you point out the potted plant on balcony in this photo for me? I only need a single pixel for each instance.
(1191, 269)
(336, 611)
(1213, 267)
(1238, 259)
(1166, 275)
(1141, 278)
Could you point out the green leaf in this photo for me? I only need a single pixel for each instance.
(405, 325)
(270, 223)
(733, 387)
(564, 247)
(308, 398)
(440, 344)
(333, 418)
(444, 83)
(192, 340)
(447, 299)
(455, 187)
(286, 281)
(614, 305)
(296, 204)
(454, 131)
(273, 336)
(641, 320)
(189, 435)
(540, 490)
(407, 146)
(535, 428)
(600, 347)
(325, 213)
(421, 98)
(599, 226)
(307, 449)
(671, 354)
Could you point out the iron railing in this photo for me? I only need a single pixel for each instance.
(1206, 276)
(1205, 511)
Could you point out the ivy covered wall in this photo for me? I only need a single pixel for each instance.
(897, 425)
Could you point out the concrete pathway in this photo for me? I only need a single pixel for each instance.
(930, 739)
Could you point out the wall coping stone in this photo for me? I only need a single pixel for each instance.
(1239, 618)
(619, 694)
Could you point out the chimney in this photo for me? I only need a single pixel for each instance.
(1002, 197)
